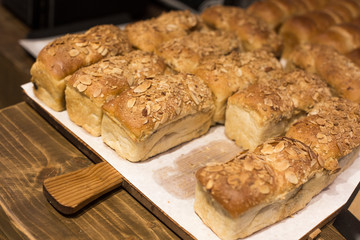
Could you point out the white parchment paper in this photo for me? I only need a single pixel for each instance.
(144, 176)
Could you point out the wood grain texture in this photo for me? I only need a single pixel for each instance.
(32, 151)
(70, 192)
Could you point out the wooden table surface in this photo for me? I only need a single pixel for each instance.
(31, 150)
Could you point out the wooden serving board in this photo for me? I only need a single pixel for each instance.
(165, 184)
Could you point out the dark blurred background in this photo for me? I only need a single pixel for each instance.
(75, 15)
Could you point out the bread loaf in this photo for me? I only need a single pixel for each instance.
(275, 12)
(252, 32)
(266, 108)
(261, 187)
(336, 69)
(184, 54)
(156, 115)
(90, 87)
(343, 37)
(227, 74)
(331, 129)
(68, 53)
(301, 29)
(148, 34)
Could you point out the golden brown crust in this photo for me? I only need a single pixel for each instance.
(107, 78)
(304, 89)
(227, 74)
(331, 129)
(267, 102)
(90, 87)
(184, 54)
(301, 29)
(148, 34)
(253, 32)
(307, 26)
(261, 176)
(275, 12)
(67, 54)
(336, 69)
(157, 101)
(265, 109)
(269, 12)
(283, 92)
(343, 37)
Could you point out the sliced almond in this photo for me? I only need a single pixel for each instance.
(100, 49)
(267, 149)
(209, 184)
(117, 70)
(85, 50)
(321, 121)
(291, 177)
(131, 102)
(81, 44)
(170, 27)
(76, 83)
(130, 81)
(239, 72)
(248, 166)
(156, 107)
(85, 80)
(142, 87)
(279, 147)
(97, 92)
(281, 165)
(81, 87)
(322, 138)
(104, 52)
(264, 189)
(74, 52)
(194, 97)
(268, 102)
(164, 118)
(291, 152)
(156, 126)
(233, 179)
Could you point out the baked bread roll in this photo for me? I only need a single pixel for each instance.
(68, 53)
(266, 108)
(277, 179)
(275, 12)
(90, 87)
(331, 129)
(343, 37)
(253, 32)
(228, 74)
(301, 29)
(337, 70)
(148, 34)
(156, 115)
(184, 54)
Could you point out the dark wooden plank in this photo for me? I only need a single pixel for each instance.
(31, 151)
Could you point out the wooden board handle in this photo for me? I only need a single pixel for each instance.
(70, 192)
